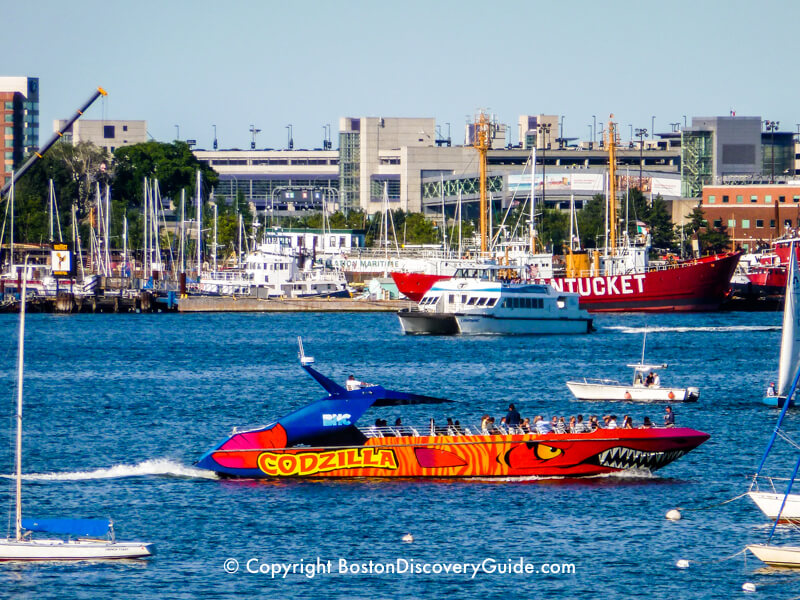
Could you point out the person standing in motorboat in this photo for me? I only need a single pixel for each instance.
(669, 417)
(513, 418)
(771, 392)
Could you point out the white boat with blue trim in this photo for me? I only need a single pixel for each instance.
(495, 299)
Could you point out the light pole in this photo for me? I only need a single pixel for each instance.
(561, 133)
(291, 141)
(253, 133)
(631, 136)
(674, 127)
(684, 121)
(772, 126)
(177, 132)
(326, 134)
(591, 133)
(641, 133)
(594, 129)
(544, 131)
(653, 126)
(215, 136)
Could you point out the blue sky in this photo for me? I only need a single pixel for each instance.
(307, 63)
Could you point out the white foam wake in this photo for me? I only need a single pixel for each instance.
(624, 329)
(157, 466)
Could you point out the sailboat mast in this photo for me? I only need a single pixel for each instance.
(21, 362)
(612, 183)
(533, 201)
(199, 223)
(481, 144)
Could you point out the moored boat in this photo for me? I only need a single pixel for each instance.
(322, 440)
(776, 556)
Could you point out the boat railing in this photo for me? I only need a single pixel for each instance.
(600, 381)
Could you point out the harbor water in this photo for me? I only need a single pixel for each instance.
(118, 407)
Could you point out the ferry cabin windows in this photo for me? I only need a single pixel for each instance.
(516, 302)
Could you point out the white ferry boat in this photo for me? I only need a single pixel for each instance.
(494, 299)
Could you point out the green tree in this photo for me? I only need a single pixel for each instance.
(173, 165)
(591, 222)
(710, 239)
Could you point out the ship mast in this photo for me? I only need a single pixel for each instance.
(612, 182)
(481, 144)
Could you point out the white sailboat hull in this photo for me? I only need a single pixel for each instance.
(770, 504)
(587, 390)
(57, 549)
(777, 556)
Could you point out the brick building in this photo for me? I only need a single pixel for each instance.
(753, 213)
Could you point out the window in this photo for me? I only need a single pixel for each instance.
(772, 223)
(768, 199)
(781, 198)
(124, 128)
(108, 131)
(759, 223)
(795, 198)
(739, 198)
(753, 198)
(717, 223)
(725, 199)
(731, 222)
(712, 199)
(745, 223)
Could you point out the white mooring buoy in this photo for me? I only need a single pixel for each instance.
(682, 564)
(674, 514)
(748, 587)
(408, 538)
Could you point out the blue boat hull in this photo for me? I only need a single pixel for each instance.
(776, 401)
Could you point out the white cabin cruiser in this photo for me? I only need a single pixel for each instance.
(275, 270)
(494, 299)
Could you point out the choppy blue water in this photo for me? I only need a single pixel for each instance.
(118, 407)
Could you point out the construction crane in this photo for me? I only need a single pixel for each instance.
(56, 136)
(481, 142)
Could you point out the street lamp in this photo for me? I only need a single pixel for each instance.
(253, 133)
(561, 133)
(684, 121)
(641, 134)
(653, 126)
(544, 131)
(291, 141)
(772, 127)
(215, 136)
(177, 132)
(594, 130)
(326, 135)
(674, 127)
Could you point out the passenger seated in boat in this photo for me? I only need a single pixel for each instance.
(627, 422)
(649, 380)
(771, 392)
(656, 380)
(560, 426)
(457, 427)
(594, 423)
(572, 423)
(526, 425)
(669, 417)
(637, 379)
(580, 426)
(541, 425)
(451, 427)
(398, 427)
(485, 424)
(353, 384)
(612, 422)
(646, 424)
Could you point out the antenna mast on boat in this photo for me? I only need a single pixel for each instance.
(533, 195)
(481, 143)
(612, 182)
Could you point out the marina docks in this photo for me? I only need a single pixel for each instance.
(196, 304)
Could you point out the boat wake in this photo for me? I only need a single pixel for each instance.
(162, 467)
(651, 329)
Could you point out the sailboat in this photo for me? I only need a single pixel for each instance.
(782, 507)
(87, 543)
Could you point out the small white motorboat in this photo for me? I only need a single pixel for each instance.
(645, 387)
(776, 556)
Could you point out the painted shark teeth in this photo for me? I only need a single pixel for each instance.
(628, 458)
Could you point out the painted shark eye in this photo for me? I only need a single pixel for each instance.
(545, 452)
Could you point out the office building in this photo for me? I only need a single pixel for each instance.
(19, 115)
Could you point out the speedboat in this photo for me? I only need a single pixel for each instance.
(645, 387)
(494, 299)
(323, 440)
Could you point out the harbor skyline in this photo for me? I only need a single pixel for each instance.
(243, 67)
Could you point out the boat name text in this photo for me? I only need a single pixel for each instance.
(309, 463)
(601, 286)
